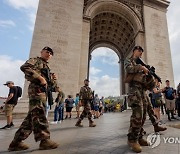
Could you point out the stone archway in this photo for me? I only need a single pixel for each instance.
(114, 25)
(73, 28)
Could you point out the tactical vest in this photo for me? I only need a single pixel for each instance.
(86, 93)
(138, 77)
(150, 83)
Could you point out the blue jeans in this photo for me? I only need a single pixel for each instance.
(58, 113)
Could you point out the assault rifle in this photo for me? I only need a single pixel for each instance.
(150, 68)
(46, 73)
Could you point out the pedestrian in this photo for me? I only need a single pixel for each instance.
(156, 99)
(169, 95)
(163, 106)
(69, 105)
(139, 82)
(85, 96)
(10, 103)
(36, 121)
(77, 105)
(59, 107)
(178, 101)
(153, 118)
(102, 105)
(96, 106)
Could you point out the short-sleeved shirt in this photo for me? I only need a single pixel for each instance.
(76, 100)
(69, 102)
(169, 91)
(96, 101)
(14, 99)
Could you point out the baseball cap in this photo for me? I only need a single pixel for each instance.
(8, 82)
(138, 48)
(48, 49)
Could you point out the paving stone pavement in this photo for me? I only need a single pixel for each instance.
(109, 137)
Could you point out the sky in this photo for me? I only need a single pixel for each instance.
(17, 19)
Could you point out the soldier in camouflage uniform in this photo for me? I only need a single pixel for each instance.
(139, 81)
(35, 120)
(85, 97)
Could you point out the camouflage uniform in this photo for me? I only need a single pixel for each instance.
(35, 120)
(138, 100)
(151, 115)
(85, 96)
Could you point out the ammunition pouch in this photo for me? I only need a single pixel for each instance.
(133, 98)
(150, 83)
(137, 77)
(140, 77)
(128, 78)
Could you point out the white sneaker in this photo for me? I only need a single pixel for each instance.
(59, 122)
(178, 118)
(53, 122)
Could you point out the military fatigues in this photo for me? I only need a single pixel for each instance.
(35, 120)
(138, 100)
(85, 96)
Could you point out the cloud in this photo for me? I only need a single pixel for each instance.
(173, 23)
(94, 71)
(106, 56)
(174, 35)
(32, 17)
(105, 85)
(25, 4)
(29, 7)
(10, 71)
(7, 23)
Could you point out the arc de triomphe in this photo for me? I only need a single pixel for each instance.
(74, 28)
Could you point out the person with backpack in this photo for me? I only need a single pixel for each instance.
(14, 93)
(169, 95)
(69, 105)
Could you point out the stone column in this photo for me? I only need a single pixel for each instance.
(139, 40)
(84, 56)
(158, 51)
(59, 25)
